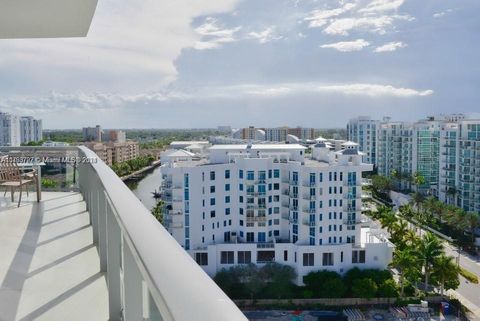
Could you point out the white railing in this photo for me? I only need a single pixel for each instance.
(149, 275)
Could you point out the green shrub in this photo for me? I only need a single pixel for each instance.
(469, 275)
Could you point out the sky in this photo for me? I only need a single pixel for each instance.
(205, 63)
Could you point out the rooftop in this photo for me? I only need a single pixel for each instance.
(258, 147)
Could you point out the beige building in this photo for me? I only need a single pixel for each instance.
(115, 152)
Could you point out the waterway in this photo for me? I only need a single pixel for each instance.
(144, 187)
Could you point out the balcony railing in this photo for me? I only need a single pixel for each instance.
(149, 275)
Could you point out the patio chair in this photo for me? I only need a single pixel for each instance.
(11, 177)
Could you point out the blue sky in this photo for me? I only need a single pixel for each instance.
(203, 63)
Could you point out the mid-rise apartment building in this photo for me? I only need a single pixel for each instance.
(31, 129)
(277, 134)
(9, 130)
(115, 152)
(271, 203)
(363, 131)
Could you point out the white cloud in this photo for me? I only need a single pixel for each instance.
(347, 46)
(319, 18)
(213, 35)
(265, 36)
(344, 26)
(382, 5)
(55, 103)
(442, 13)
(136, 38)
(390, 46)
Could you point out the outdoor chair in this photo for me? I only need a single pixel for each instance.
(11, 177)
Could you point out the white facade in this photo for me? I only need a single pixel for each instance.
(363, 130)
(9, 130)
(459, 179)
(30, 129)
(268, 202)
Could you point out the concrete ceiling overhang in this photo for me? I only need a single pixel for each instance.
(45, 18)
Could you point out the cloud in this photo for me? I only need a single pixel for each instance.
(382, 5)
(265, 36)
(319, 18)
(378, 24)
(347, 46)
(141, 39)
(442, 13)
(80, 102)
(213, 35)
(390, 46)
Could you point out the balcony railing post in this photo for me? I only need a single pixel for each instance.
(102, 231)
(93, 195)
(114, 236)
(132, 286)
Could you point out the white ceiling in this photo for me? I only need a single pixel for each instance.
(45, 18)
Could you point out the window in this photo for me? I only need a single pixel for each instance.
(226, 235)
(244, 257)
(327, 259)
(250, 175)
(212, 213)
(227, 174)
(227, 199)
(227, 211)
(227, 187)
(358, 256)
(276, 173)
(201, 258)
(285, 255)
(212, 189)
(212, 176)
(240, 173)
(226, 257)
(250, 237)
(308, 259)
(261, 237)
(212, 201)
(276, 186)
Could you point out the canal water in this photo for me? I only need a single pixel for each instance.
(144, 187)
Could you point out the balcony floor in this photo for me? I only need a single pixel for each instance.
(49, 266)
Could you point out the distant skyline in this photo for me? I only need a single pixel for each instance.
(201, 64)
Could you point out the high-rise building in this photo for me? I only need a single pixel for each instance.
(277, 134)
(271, 203)
(9, 130)
(459, 181)
(30, 129)
(394, 150)
(92, 134)
(363, 131)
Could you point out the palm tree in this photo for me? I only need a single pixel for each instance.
(417, 200)
(445, 269)
(388, 220)
(411, 238)
(403, 261)
(428, 250)
(451, 192)
(406, 211)
(398, 230)
(418, 180)
(470, 221)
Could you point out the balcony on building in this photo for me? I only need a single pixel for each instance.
(89, 250)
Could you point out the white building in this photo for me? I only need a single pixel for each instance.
(459, 179)
(363, 130)
(9, 130)
(269, 202)
(30, 129)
